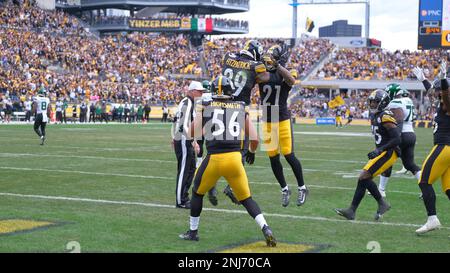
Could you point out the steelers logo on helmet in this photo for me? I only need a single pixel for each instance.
(222, 88)
(253, 49)
(378, 101)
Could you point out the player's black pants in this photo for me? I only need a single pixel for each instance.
(28, 116)
(39, 125)
(407, 154)
(186, 168)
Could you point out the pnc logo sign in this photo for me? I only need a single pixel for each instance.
(430, 12)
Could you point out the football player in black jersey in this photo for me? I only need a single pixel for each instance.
(224, 123)
(437, 164)
(244, 70)
(387, 139)
(276, 125)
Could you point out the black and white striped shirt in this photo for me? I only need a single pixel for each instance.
(183, 118)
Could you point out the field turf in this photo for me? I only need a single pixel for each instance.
(112, 189)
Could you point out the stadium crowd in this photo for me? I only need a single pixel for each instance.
(380, 64)
(51, 50)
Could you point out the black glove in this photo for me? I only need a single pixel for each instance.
(250, 158)
(374, 153)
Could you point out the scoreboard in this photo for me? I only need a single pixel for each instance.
(434, 24)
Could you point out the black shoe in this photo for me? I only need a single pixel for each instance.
(190, 235)
(302, 196)
(185, 205)
(229, 192)
(268, 234)
(347, 213)
(212, 196)
(383, 207)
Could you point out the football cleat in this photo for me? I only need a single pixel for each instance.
(229, 192)
(42, 140)
(185, 205)
(190, 235)
(301, 199)
(402, 171)
(268, 234)
(285, 195)
(383, 207)
(347, 213)
(431, 224)
(212, 196)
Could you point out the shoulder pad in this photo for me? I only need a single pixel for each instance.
(388, 116)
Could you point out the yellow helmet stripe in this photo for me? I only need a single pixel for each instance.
(220, 86)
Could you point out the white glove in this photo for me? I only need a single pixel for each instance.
(443, 70)
(419, 73)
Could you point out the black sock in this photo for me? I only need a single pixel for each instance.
(252, 207)
(448, 194)
(196, 204)
(296, 168)
(38, 132)
(373, 189)
(43, 129)
(359, 194)
(429, 198)
(277, 169)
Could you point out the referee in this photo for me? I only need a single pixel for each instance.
(184, 146)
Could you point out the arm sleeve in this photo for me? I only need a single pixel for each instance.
(427, 85)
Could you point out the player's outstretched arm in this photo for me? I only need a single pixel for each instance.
(418, 72)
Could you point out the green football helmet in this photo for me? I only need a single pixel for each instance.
(207, 85)
(393, 89)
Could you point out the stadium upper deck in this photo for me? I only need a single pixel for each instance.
(174, 6)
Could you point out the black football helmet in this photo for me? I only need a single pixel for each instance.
(253, 49)
(222, 88)
(378, 101)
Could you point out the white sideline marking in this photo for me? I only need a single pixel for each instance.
(100, 201)
(349, 134)
(173, 178)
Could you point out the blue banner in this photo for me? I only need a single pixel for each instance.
(325, 121)
(430, 10)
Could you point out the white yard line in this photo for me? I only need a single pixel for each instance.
(155, 205)
(88, 173)
(153, 160)
(173, 178)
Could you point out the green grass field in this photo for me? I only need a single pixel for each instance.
(112, 189)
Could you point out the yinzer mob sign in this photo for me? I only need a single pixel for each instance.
(155, 24)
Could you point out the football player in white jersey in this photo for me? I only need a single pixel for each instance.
(404, 112)
(41, 108)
